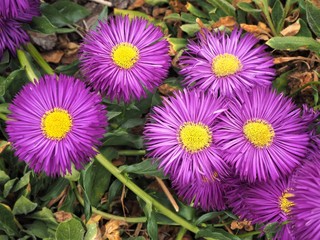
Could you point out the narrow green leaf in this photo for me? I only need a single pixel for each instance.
(7, 222)
(93, 232)
(225, 6)
(190, 29)
(156, 2)
(152, 226)
(114, 190)
(277, 15)
(195, 11)
(293, 43)
(43, 25)
(313, 17)
(46, 216)
(177, 43)
(5, 82)
(71, 229)
(304, 29)
(8, 186)
(23, 206)
(3, 177)
(247, 7)
(147, 167)
(73, 12)
(22, 182)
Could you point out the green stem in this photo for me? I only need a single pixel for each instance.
(26, 65)
(132, 152)
(287, 8)
(248, 234)
(104, 214)
(265, 10)
(143, 195)
(38, 58)
(181, 233)
(303, 87)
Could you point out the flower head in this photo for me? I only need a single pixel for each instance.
(226, 64)
(305, 214)
(12, 8)
(124, 57)
(56, 122)
(11, 34)
(263, 135)
(208, 194)
(180, 135)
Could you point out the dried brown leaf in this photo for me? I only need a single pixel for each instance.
(3, 146)
(53, 56)
(241, 224)
(235, 2)
(177, 6)
(166, 89)
(62, 216)
(136, 4)
(112, 229)
(294, 15)
(291, 30)
(227, 21)
(261, 30)
(94, 219)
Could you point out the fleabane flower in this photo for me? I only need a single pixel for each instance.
(12, 8)
(226, 64)
(305, 214)
(179, 134)
(123, 58)
(11, 34)
(263, 135)
(54, 123)
(204, 193)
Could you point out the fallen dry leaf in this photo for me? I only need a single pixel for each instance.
(166, 89)
(294, 15)
(3, 145)
(62, 216)
(227, 21)
(261, 30)
(112, 229)
(136, 4)
(242, 224)
(235, 2)
(291, 30)
(177, 6)
(53, 56)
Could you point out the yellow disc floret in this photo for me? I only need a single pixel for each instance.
(225, 64)
(284, 203)
(259, 132)
(56, 123)
(194, 137)
(125, 55)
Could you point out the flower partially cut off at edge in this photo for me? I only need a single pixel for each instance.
(55, 123)
(226, 64)
(263, 135)
(124, 58)
(179, 135)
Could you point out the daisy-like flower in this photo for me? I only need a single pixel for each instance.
(12, 8)
(263, 135)
(226, 64)
(305, 213)
(180, 135)
(208, 194)
(11, 34)
(54, 123)
(124, 57)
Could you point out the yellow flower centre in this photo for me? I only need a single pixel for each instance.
(225, 64)
(259, 132)
(195, 136)
(284, 203)
(56, 124)
(125, 55)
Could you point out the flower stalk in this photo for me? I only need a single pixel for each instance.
(26, 65)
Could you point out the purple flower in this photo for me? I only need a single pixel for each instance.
(208, 194)
(11, 34)
(12, 8)
(305, 214)
(180, 135)
(263, 135)
(123, 58)
(226, 64)
(56, 122)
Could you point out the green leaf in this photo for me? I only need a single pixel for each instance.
(195, 11)
(45, 216)
(8, 186)
(247, 7)
(3, 177)
(70, 69)
(293, 43)
(54, 16)
(56, 188)
(114, 190)
(123, 138)
(152, 226)
(281, 82)
(147, 167)
(93, 232)
(277, 15)
(71, 229)
(73, 12)
(22, 182)
(102, 16)
(5, 82)
(7, 222)
(190, 29)
(40, 229)
(95, 179)
(156, 2)
(313, 17)
(43, 25)
(23, 206)
(304, 29)
(216, 233)
(207, 216)
(225, 6)
(177, 43)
